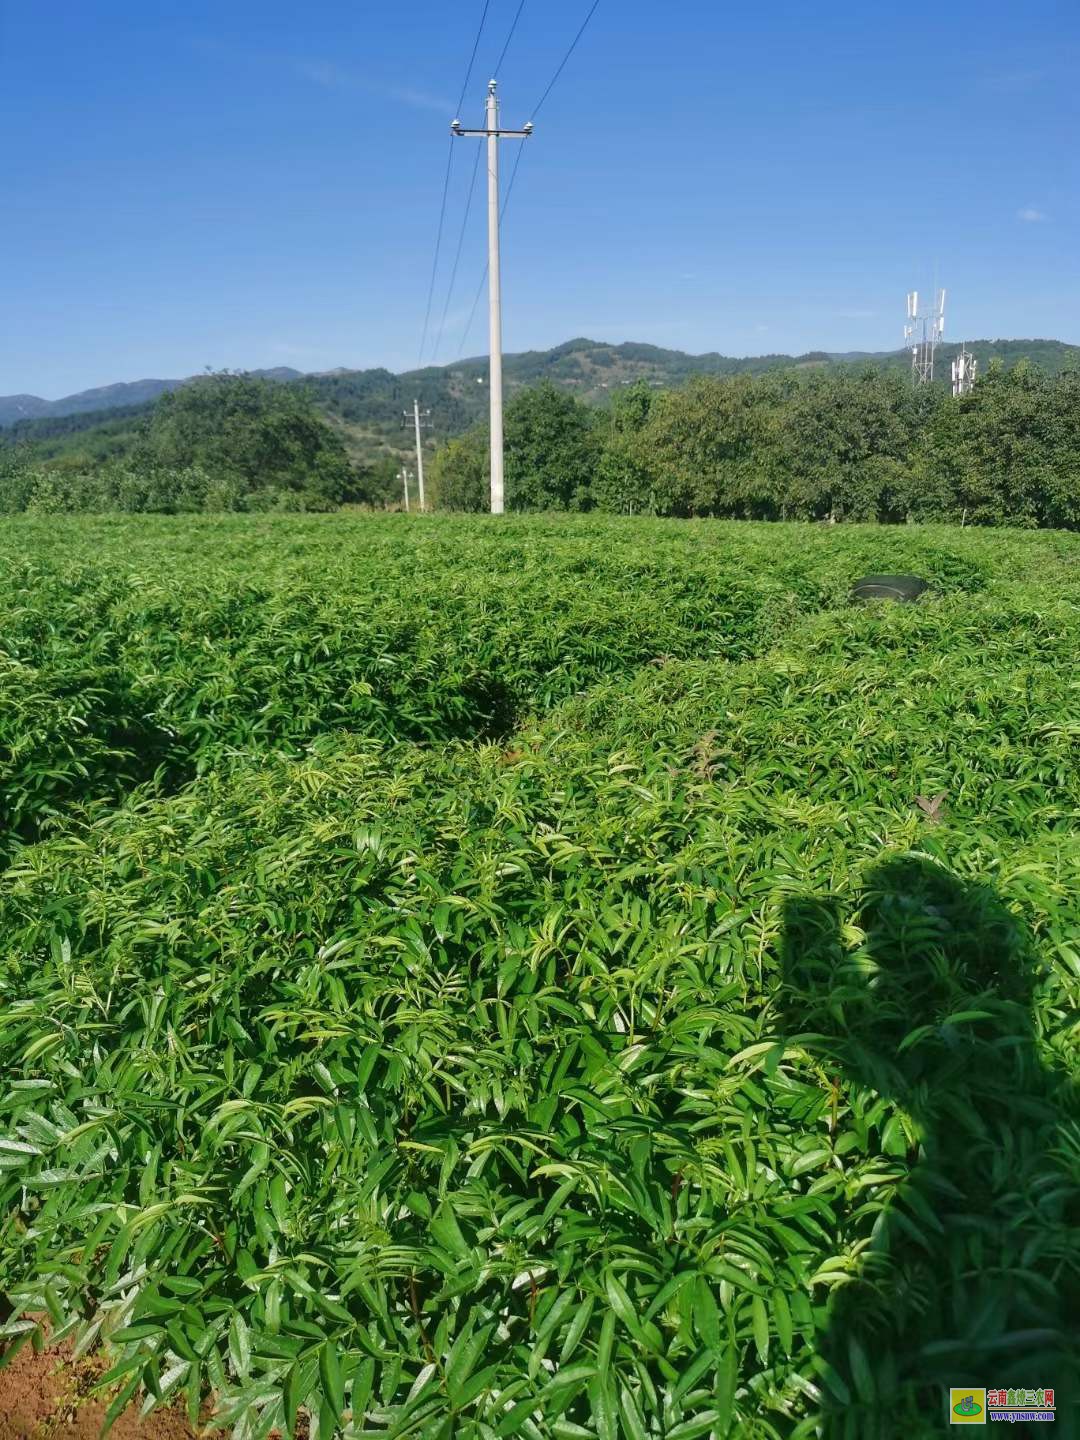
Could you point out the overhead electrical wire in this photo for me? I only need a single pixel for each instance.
(521, 150)
(472, 182)
(457, 253)
(506, 46)
(472, 57)
(566, 57)
(435, 260)
(484, 272)
(446, 190)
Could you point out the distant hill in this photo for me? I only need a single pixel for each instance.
(106, 397)
(367, 405)
(593, 369)
(21, 407)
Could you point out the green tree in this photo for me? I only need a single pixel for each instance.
(701, 449)
(622, 482)
(17, 477)
(458, 475)
(379, 484)
(268, 435)
(551, 451)
(1009, 451)
(840, 441)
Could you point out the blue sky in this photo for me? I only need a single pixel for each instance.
(250, 184)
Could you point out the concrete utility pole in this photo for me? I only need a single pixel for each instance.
(405, 487)
(422, 421)
(493, 135)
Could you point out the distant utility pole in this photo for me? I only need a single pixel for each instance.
(923, 332)
(422, 421)
(494, 135)
(405, 486)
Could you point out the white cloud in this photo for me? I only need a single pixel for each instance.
(418, 99)
(322, 72)
(329, 76)
(1031, 216)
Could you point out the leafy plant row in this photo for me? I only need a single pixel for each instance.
(119, 667)
(665, 1069)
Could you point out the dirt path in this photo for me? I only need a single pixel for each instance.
(47, 1397)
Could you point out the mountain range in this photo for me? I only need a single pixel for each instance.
(106, 397)
(368, 405)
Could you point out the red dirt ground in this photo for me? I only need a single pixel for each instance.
(46, 1397)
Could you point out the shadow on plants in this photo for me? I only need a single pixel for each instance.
(77, 743)
(491, 710)
(927, 1030)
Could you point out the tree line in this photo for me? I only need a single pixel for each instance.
(224, 442)
(832, 444)
(856, 444)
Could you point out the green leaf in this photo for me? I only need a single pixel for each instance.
(333, 1382)
(760, 1318)
(239, 1346)
(782, 1318)
(861, 1372)
(119, 1403)
(446, 1231)
(291, 1397)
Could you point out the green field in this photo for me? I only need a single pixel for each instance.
(542, 977)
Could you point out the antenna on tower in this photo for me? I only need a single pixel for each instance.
(963, 371)
(923, 332)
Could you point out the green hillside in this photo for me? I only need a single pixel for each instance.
(370, 402)
(368, 405)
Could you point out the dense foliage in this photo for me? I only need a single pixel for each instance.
(268, 435)
(551, 450)
(94, 435)
(836, 445)
(223, 442)
(815, 437)
(550, 978)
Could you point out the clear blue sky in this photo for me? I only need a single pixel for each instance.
(230, 183)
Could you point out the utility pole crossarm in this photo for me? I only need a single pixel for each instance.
(522, 134)
(492, 133)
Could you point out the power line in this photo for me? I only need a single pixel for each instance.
(472, 182)
(457, 256)
(446, 190)
(484, 272)
(506, 47)
(435, 260)
(472, 57)
(536, 110)
(566, 57)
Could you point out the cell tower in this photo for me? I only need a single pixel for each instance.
(963, 371)
(923, 333)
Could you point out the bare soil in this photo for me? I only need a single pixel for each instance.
(47, 1397)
